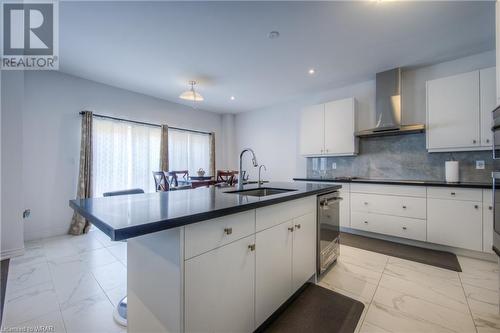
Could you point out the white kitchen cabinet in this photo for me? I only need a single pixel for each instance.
(497, 5)
(453, 121)
(340, 125)
(273, 284)
(312, 130)
(328, 129)
(345, 206)
(455, 223)
(304, 250)
(487, 221)
(487, 78)
(219, 289)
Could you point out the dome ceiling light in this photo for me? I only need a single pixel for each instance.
(191, 94)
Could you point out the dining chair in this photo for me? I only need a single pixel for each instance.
(226, 176)
(161, 181)
(120, 313)
(173, 180)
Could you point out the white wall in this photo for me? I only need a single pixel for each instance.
(12, 179)
(51, 138)
(274, 132)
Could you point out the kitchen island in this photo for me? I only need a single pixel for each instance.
(209, 260)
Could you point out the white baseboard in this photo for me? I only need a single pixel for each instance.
(432, 246)
(7, 254)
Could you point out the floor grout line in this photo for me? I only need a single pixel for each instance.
(467, 301)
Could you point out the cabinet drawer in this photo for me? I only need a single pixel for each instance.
(455, 193)
(270, 216)
(412, 191)
(207, 235)
(389, 204)
(390, 225)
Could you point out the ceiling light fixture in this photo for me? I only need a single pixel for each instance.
(232, 98)
(273, 34)
(311, 71)
(191, 95)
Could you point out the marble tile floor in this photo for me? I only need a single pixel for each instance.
(402, 296)
(71, 284)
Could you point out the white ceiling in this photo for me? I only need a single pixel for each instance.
(155, 48)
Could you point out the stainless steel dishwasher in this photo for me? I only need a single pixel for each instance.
(328, 230)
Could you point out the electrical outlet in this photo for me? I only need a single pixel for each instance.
(334, 165)
(480, 165)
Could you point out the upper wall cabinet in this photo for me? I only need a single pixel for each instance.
(498, 49)
(328, 129)
(459, 111)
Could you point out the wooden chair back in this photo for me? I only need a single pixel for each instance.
(226, 176)
(161, 181)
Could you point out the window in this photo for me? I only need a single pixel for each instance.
(188, 151)
(124, 156)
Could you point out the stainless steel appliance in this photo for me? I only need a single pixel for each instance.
(496, 180)
(328, 230)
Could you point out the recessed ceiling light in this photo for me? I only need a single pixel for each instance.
(274, 34)
(232, 98)
(311, 71)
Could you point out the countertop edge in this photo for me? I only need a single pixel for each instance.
(398, 182)
(136, 231)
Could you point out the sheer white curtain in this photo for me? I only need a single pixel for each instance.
(188, 151)
(125, 154)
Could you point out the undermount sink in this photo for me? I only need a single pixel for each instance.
(261, 192)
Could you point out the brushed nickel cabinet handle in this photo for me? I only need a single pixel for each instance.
(228, 231)
(476, 206)
(290, 229)
(366, 203)
(490, 207)
(297, 226)
(453, 193)
(474, 141)
(487, 140)
(404, 207)
(251, 247)
(366, 222)
(404, 228)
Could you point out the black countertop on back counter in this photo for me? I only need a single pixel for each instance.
(399, 182)
(128, 216)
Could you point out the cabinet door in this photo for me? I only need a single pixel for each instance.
(345, 206)
(273, 283)
(455, 223)
(487, 221)
(304, 250)
(498, 49)
(340, 127)
(487, 102)
(219, 289)
(312, 129)
(453, 112)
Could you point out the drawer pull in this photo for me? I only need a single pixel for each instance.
(453, 193)
(290, 229)
(490, 207)
(366, 222)
(476, 206)
(366, 203)
(297, 226)
(487, 140)
(404, 228)
(228, 231)
(474, 141)
(404, 207)
(251, 247)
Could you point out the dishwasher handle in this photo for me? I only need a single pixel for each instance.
(325, 202)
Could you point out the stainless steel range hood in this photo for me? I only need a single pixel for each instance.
(388, 107)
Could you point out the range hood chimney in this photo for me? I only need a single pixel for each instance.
(388, 107)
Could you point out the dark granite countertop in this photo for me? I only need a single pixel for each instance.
(128, 216)
(399, 182)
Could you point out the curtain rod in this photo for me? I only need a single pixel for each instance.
(144, 123)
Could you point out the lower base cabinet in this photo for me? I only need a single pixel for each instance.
(455, 223)
(219, 289)
(304, 250)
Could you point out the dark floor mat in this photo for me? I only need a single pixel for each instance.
(4, 270)
(318, 310)
(436, 258)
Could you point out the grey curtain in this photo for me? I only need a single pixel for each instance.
(212, 154)
(164, 148)
(80, 225)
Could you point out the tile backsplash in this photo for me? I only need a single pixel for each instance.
(400, 157)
